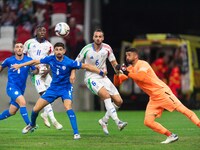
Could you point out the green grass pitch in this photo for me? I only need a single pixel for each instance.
(134, 137)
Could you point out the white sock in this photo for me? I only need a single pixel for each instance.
(48, 109)
(116, 107)
(107, 116)
(111, 110)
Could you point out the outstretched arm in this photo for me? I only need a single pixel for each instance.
(29, 63)
(72, 76)
(93, 69)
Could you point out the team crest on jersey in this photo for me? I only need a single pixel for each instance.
(16, 92)
(91, 57)
(64, 67)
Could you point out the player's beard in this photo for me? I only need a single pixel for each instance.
(59, 57)
(129, 61)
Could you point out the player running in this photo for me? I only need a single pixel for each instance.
(96, 54)
(38, 48)
(160, 95)
(61, 67)
(17, 83)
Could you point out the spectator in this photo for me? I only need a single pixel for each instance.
(75, 39)
(13, 4)
(160, 67)
(39, 15)
(24, 18)
(8, 17)
(175, 78)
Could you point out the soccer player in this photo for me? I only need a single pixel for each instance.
(17, 83)
(38, 48)
(61, 67)
(96, 54)
(160, 95)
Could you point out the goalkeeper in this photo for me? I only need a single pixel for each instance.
(160, 95)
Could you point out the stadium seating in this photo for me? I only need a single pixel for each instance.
(7, 31)
(22, 34)
(58, 17)
(6, 48)
(59, 7)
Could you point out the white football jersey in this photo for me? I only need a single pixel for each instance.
(37, 50)
(88, 55)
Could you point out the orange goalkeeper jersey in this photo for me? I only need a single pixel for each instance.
(144, 76)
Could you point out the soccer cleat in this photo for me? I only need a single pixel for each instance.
(121, 125)
(57, 125)
(77, 136)
(104, 126)
(45, 119)
(29, 128)
(170, 139)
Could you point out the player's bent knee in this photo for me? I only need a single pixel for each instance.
(149, 121)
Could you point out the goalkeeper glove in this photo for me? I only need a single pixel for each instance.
(122, 68)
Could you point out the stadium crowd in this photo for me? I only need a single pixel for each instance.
(23, 17)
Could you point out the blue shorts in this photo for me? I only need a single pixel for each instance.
(53, 93)
(13, 93)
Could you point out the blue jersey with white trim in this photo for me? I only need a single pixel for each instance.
(61, 70)
(17, 78)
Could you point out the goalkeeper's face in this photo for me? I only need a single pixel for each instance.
(131, 57)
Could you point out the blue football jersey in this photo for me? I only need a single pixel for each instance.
(61, 70)
(18, 77)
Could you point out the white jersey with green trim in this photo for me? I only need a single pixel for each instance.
(89, 55)
(37, 50)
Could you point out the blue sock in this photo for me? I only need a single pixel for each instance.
(5, 114)
(33, 118)
(72, 118)
(24, 115)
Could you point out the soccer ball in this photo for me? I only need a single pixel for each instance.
(62, 29)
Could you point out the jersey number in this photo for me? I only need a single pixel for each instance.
(97, 62)
(18, 71)
(57, 71)
(38, 52)
(93, 83)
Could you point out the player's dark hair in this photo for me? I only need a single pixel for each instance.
(98, 30)
(59, 44)
(18, 42)
(131, 49)
(39, 26)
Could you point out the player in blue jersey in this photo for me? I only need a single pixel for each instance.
(17, 83)
(61, 67)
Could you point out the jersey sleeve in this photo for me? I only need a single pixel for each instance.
(82, 55)
(119, 79)
(51, 49)
(5, 63)
(26, 47)
(140, 72)
(45, 60)
(111, 55)
(76, 64)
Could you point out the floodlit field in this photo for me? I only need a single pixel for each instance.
(134, 137)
